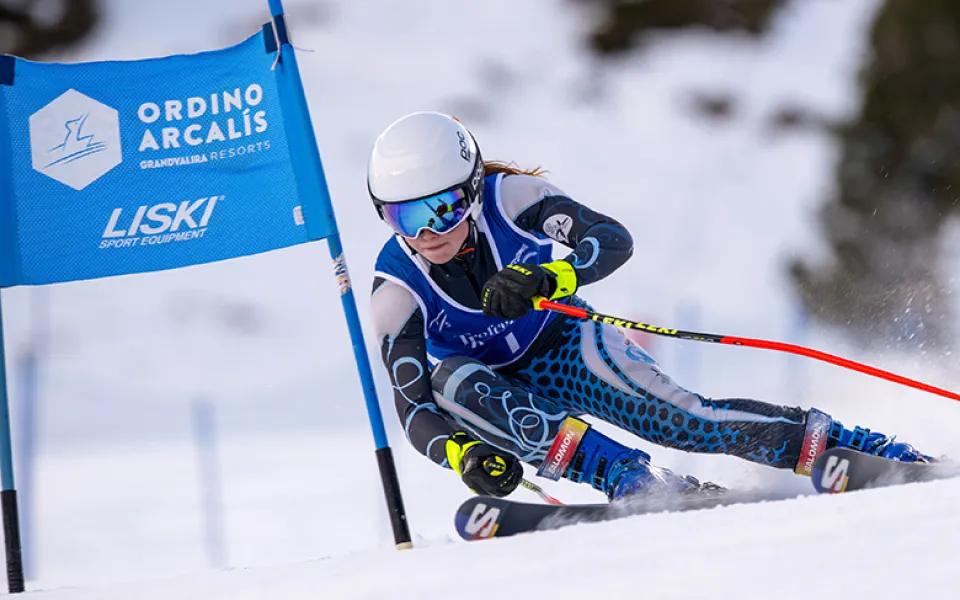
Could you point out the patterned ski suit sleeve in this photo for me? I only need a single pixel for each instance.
(600, 244)
(398, 321)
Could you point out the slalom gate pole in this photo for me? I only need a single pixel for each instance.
(299, 121)
(8, 496)
(582, 313)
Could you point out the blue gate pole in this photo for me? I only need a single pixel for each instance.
(26, 449)
(303, 127)
(8, 496)
(210, 480)
(26, 454)
(385, 462)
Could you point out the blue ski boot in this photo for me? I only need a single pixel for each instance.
(823, 432)
(583, 454)
(874, 442)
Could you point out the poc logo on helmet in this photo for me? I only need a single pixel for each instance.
(75, 140)
(477, 177)
(464, 147)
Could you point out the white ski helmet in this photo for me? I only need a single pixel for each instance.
(425, 172)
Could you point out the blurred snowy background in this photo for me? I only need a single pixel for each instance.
(723, 146)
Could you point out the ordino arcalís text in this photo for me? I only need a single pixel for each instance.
(203, 121)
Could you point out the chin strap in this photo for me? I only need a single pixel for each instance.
(404, 241)
(471, 234)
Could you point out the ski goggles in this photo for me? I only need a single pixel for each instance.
(439, 213)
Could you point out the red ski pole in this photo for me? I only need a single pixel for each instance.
(544, 304)
(536, 489)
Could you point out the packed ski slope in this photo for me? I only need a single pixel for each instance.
(889, 543)
(716, 209)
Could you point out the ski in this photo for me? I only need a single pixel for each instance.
(836, 470)
(484, 517)
(844, 470)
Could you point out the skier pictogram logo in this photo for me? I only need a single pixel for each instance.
(75, 139)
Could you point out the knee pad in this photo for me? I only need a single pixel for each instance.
(449, 372)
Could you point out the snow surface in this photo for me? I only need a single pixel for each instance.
(891, 543)
(716, 208)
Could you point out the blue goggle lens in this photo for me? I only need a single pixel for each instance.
(439, 213)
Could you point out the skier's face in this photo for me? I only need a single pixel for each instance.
(437, 248)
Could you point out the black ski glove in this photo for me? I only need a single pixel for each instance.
(509, 294)
(485, 469)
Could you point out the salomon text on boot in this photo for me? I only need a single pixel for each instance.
(584, 455)
(823, 433)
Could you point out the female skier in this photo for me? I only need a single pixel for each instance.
(482, 382)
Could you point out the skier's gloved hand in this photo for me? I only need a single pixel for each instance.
(485, 469)
(509, 293)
